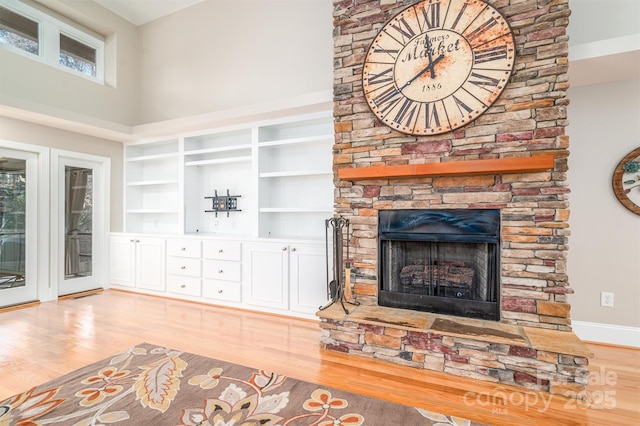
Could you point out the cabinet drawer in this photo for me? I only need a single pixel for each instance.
(183, 266)
(221, 290)
(189, 286)
(183, 248)
(221, 270)
(221, 250)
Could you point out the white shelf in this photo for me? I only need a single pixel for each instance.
(296, 173)
(153, 182)
(218, 161)
(216, 150)
(298, 141)
(153, 157)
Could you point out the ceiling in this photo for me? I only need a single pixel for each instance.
(139, 12)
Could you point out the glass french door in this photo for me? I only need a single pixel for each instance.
(18, 227)
(79, 192)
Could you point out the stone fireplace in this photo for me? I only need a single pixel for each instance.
(511, 161)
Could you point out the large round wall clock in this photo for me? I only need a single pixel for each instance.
(626, 181)
(438, 65)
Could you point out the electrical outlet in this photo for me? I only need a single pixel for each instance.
(606, 299)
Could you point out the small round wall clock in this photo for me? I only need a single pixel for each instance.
(626, 181)
(438, 65)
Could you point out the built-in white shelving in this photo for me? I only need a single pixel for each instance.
(281, 170)
(152, 186)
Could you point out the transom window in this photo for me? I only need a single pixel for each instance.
(32, 32)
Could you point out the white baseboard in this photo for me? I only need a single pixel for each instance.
(607, 333)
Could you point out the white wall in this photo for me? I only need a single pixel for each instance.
(222, 54)
(34, 134)
(604, 246)
(604, 253)
(593, 20)
(29, 84)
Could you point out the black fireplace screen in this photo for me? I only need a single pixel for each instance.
(440, 261)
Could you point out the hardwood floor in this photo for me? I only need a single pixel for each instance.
(42, 342)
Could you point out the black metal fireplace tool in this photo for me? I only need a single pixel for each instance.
(336, 286)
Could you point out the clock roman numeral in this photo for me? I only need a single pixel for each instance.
(431, 118)
(481, 29)
(406, 112)
(462, 106)
(385, 76)
(405, 30)
(387, 99)
(431, 14)
(483, 80)
(490, 54)
(392, 52)
(460, 14)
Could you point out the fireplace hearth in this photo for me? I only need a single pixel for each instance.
(440, 261)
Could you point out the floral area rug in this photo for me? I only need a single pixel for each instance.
(151, 385)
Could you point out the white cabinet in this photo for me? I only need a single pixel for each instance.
(282, 276)
(308, 277)
(285, 276)
(222, 270)
(266, 274)
(184, 267)
(122, 258)
(137, 262)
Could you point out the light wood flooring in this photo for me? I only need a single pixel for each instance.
(42, 342)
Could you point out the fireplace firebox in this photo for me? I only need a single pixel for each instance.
(440, 261)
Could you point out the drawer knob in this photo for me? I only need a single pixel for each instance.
(293, 249)
(182, 286)
(183, 248)
(284, 249)
(220, 251)
(220, 271)
(220, 291)
(183, 267)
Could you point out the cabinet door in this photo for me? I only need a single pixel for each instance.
(122, 269)
(150, 263)
(308, 277)
(265, 274)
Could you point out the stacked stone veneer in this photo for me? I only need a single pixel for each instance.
(528, 119)
(475, 357)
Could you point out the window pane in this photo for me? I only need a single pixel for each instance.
(78, 198)
(18, 31)
(77, 55)
(13, 181)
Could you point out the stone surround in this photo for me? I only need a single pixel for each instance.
(527, 121)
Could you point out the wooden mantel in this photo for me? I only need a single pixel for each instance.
(451, 168)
